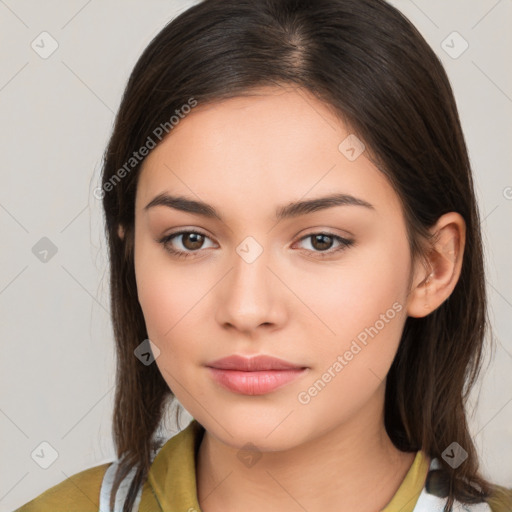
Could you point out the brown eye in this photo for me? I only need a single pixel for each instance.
(321, 243)
(191, 243)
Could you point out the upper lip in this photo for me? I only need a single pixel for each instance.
(252, 364)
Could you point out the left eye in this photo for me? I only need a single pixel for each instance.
(322, 242)
(192, 241)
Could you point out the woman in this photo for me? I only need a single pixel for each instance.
(296, 257)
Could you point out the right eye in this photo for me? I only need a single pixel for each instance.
(191, 241)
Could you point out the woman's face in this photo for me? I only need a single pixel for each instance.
(256, 283)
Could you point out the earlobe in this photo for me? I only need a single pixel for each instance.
(433, 284)
(120, 231)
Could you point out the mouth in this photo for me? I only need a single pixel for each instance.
(254, 376)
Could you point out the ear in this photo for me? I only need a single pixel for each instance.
(120, 231)
(431, 286)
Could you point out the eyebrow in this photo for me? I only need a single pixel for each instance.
(290, 210)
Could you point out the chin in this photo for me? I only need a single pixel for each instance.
(268, 432)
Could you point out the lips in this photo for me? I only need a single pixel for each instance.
(252, 364)
(254, 376)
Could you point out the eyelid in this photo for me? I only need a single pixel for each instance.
(175, 234)
(345, 243)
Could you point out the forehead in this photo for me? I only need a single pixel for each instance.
(250, 153)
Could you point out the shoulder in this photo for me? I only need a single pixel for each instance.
(500, 499)
(80, 492)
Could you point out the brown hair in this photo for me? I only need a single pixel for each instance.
(368, 63)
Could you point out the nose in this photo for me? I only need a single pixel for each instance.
(251, 295)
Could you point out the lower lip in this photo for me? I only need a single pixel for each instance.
(257, 382)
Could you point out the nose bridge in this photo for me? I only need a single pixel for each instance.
(250, 250)
(249, 295)
(250, 273)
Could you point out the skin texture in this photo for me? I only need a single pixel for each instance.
(246, 156)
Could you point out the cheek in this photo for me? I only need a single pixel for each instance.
(165, 294)
(342, 300)
(363, 304)
(168, 307)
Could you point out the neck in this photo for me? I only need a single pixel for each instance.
(353, 466)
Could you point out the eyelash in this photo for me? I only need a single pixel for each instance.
(345, 243)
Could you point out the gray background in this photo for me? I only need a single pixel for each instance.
(57, 364)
